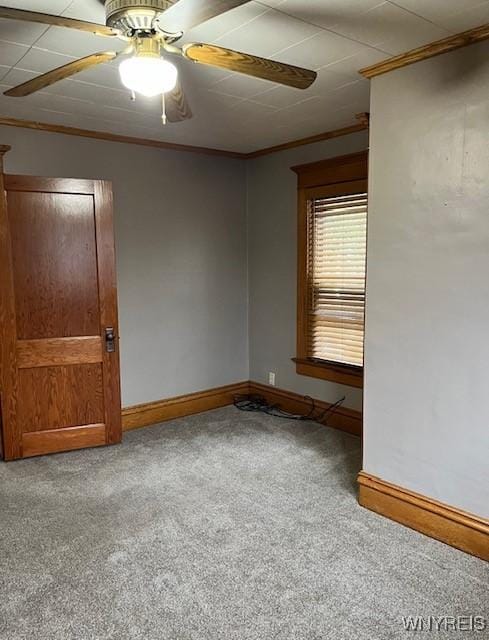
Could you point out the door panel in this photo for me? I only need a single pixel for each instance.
(54, 297)
(59, 385)
(41, 442)
(58, 397)
(59, 351)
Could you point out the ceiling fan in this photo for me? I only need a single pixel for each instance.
(151, 28)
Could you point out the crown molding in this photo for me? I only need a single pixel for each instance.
(159, 144)
(114, 137)
(327, 135)
(472, 36)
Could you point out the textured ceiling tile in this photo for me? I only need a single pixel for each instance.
(276, 95)
(325, 13)
(437, 10)
(131, 117)
(298, 112)
(202, 75)
(357, 105)
(67, 105)
(106, 75)
(328, 81)
(241, 86)
(467, 19)
(327, 121)
(353, 92)
(90, 10)
(42, 61)
(247, 109)
(321, 49)
(12, 77)
(10, 53)
(416, 32)
(271, 32)
(78, 90)
(279, 97)
(272, 3)
(21, 32)
(45, 6)
(351, 65)
(227, 22)
(218, 100)
(76, 43)
(14, 108)
(389, 28)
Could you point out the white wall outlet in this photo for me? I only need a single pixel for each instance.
(271, 378)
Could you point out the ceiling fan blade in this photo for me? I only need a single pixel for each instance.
(186, 14)
(250, 65)
(57, 21)
(176, 105)
(49, 78)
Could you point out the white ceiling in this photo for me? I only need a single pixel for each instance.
(231, 111)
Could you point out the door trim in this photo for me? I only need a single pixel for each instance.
(107, 283)
(11, 443)
(78, 186)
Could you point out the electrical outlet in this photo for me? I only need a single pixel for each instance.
(271, 378)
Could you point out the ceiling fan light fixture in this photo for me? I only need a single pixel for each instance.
(149, 76)
(151, 28)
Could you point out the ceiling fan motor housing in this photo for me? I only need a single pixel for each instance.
(129, 15)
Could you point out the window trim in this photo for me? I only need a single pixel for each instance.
(321, 179)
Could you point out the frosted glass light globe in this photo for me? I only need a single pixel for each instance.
(148, 75)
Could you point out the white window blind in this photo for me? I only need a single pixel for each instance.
(336, 254)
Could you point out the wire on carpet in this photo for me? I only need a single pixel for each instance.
(258, 403)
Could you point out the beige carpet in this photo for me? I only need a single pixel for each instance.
(225, 525)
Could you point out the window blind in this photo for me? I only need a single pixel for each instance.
(336, 255)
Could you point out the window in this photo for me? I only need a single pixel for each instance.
(337, 227)
(331, 269)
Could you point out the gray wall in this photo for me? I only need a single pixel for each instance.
(180, 224)
(272, 262)
(426, 423)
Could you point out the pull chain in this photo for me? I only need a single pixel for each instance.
(163, 109)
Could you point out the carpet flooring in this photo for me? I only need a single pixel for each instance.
(225, 525)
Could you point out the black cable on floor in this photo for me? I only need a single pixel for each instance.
(258, 403)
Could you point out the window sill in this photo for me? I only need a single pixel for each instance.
(342, 374)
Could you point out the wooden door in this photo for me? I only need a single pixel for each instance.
(59, 379)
